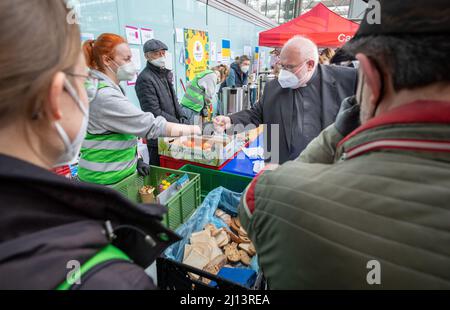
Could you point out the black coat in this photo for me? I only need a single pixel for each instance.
(47, 221)
(277, 105)
(156, 94)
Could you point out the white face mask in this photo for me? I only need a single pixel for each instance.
(126, 72)
(288, 79)
(160, 62)
(245, 69)
(72, 149)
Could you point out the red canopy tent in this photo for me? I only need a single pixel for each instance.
(320, 24)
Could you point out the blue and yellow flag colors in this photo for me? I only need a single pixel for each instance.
(226, 48)
(256, 53)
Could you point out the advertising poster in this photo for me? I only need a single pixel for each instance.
(147, 34)
(196, 51)
(133, 35)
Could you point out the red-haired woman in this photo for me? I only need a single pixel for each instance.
(109, 152)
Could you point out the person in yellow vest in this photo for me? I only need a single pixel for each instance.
(197, 102)
(109, 152)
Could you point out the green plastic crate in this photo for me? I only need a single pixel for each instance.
(211, 179)
(180, 206)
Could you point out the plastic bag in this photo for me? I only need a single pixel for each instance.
(221, 198)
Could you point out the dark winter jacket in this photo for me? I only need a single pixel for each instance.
(276, 107)
(47, 221)
(156, 94)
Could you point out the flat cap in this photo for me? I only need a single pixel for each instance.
(154, 45)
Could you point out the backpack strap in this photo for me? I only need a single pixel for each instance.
(108, 253)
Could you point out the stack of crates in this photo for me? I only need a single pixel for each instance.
(180, 206)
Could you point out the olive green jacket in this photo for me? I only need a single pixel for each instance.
(374, 207)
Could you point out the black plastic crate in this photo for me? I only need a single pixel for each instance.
(173, 275)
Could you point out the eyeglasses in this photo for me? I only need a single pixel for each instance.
(90, 84)
(289, 67)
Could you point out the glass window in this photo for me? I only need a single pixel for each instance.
(340, 7)
(286, 11)
(273, 9)
(258, 5)
(280, 11)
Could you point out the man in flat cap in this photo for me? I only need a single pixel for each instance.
(155, 91)
(367, 204)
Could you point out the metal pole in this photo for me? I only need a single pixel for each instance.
(298, 8)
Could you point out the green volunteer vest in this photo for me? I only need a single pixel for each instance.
(108, 253)
(107, 158)
(194, 98)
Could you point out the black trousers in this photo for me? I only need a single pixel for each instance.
(153, 154)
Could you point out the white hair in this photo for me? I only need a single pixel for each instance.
(307, 48)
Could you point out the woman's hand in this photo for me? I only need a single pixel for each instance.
(180, 130)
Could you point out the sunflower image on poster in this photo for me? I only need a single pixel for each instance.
(197, 52)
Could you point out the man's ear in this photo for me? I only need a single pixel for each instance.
(55, 97)
(311, 64)
(372, 77)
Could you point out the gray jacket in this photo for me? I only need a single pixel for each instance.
(112, 112)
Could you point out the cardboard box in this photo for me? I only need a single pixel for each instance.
(207, 150)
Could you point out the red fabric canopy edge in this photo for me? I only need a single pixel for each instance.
(320, 24)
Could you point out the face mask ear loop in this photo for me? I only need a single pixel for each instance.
(109, 68)
(62, 133)
(361, 87)
(382, 88)
(69, 88)
(301, 67)
(64, 136)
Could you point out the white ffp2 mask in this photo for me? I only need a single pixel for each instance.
(126, 72)
(160, 62)
(245, 69)
(72, 148)
(287, 79)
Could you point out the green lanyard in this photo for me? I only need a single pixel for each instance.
(108, 253)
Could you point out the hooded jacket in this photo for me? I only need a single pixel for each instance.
(47, 222)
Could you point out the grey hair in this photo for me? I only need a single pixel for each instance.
(307, 48)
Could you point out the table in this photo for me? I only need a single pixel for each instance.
(241, 164)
